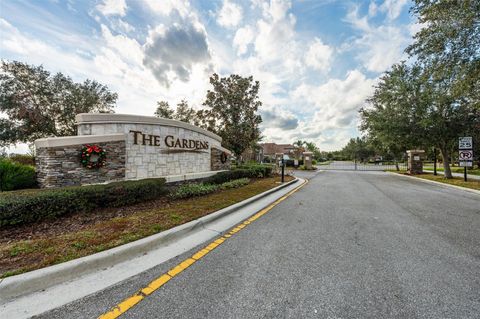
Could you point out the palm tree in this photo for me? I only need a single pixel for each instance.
(298, 143)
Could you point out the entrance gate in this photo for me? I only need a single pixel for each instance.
(356, 166)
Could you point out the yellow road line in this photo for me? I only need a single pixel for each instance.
(130, 302)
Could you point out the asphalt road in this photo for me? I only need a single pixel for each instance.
(347, 245)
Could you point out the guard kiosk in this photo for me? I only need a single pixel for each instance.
(415, 161)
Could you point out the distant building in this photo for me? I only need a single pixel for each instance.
(265, 152)
(270, 149)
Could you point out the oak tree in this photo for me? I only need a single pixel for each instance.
(38, 104)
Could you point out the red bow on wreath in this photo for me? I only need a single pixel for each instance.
(93, 148)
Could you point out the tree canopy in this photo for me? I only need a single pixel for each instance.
(433, 99)
(232, 111)
(183, 112)
(38, 104)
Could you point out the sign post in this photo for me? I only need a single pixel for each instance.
(465, 154)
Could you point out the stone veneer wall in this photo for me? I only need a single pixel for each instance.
(60, 165)
(145, 161)
(216, 162)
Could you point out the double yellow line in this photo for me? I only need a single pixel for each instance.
(130, 302)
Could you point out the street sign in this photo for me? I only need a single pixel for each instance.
(466, 163)
(465, 155)
(465, 143)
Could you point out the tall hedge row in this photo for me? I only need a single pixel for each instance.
(33, 205)
(250, 171)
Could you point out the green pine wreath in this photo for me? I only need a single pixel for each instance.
(93, 156)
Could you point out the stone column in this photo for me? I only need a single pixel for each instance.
(307, 160)
(220, 159)
(415, 161)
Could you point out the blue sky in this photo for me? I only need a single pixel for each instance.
(317, 61)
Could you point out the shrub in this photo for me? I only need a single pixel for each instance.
(15, 176)
(235, 183)
(227, 176)
(189, 190)
(258, 170)
(29, 206)
(314, 162)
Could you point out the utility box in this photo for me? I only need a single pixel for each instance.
(307, 160)
(415, 161)
(278, 159)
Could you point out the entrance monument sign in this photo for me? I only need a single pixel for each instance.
(135, 147)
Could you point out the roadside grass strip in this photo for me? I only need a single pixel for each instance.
(154, 285)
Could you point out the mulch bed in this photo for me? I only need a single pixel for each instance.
(73, 222)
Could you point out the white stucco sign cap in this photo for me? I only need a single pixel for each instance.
(99, 118)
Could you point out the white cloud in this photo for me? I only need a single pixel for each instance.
(378, 47)
(112, 7)
(393, 8)
(334, 104)
(243, 37)
(276, 117)
(372, 9)
(166, 7)
(123, 26)
(319, 56)
(230, 14)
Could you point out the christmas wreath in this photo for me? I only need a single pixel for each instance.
(93, 156)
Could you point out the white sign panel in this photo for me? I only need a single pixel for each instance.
(465, 155)
(465, 143)
(466, 164)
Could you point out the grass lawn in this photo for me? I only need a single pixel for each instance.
(455, 169)
(28, 247)
(457, 181)
(324, 163)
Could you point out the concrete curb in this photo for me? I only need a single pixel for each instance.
(474, 191)
(37, 280)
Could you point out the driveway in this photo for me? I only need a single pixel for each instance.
(347, 245)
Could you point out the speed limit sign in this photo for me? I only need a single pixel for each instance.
(465, 143)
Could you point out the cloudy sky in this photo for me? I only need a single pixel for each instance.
(316, 60)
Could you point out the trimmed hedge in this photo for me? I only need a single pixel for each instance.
(190, 190)
(33, 205)
(227, 176)
(235, 183)
(193, 189)
(29, 206)
(15, 175)
(258, 170)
